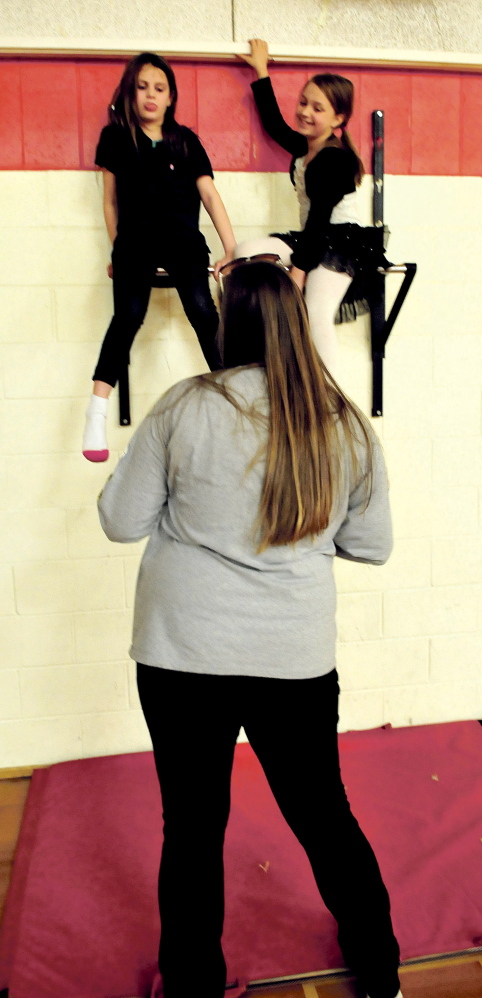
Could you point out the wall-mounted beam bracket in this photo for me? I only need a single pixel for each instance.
(381, 327)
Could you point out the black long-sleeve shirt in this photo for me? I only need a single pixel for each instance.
(328, 177)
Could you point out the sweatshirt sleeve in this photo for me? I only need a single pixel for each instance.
(272, 120)
(366, 532)
(131, 502)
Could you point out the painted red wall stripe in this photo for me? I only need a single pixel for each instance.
(224, 116)
(11, 136)
(436, 124)
(50, 115)
(471, 125)
(53, 111)
(391, 93)
(186, 81)
(97, 84)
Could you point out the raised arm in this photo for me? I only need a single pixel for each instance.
(258, 57)
(266, 103)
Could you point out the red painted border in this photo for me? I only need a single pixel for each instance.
(53, 110)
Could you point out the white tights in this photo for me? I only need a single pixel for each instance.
(324, 291)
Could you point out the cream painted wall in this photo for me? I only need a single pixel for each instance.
(410, 632)
(448, 25)
(397, 24)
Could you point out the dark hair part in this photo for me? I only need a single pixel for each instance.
(264, 322)
(339, 91)
(122, 110)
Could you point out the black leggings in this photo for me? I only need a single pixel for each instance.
(193, 722)
(134, 268)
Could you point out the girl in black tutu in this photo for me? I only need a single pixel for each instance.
(333, 258)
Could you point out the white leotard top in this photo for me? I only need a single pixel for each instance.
(345, 211)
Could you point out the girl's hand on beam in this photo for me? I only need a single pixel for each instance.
(258, 57)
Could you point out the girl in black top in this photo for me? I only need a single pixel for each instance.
(332, 247)
(156, 173)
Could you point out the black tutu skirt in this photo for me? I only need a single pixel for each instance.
(352, 249)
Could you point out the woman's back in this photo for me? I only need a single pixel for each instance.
(207, 599)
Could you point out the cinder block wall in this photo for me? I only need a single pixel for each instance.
(411, 24)
(410, 632)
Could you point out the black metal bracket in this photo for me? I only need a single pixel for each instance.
(381, 327)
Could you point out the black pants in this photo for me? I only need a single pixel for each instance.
(194, 721)
(134, 265)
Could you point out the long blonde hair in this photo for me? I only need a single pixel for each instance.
(264, 322)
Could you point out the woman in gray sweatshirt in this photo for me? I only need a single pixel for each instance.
(248, 482)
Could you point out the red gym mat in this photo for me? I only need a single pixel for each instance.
(81, 918)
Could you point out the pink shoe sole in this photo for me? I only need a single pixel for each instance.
(96, 455)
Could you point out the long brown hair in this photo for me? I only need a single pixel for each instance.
(122, 110)
(264, 322)
(339, 91)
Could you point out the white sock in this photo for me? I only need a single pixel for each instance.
(95, 433)
(396, 996)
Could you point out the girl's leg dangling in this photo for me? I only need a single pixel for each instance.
(132, 288)
(188, 267)
(324, 291)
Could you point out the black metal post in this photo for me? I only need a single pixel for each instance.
(377, 309)
(124, 400)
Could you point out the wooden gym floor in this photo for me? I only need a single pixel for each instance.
(440, 977)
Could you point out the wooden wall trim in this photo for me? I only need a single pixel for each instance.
(124, 48)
